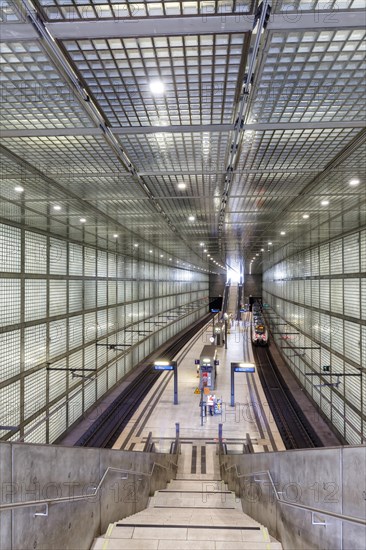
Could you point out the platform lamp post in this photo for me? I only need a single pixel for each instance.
(239, 367)
(171, 366)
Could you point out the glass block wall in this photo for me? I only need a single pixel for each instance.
(317, 300)
(59, 299)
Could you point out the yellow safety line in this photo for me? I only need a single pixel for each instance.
(265, 534)
(107, 536)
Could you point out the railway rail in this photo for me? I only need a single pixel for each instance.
(108, 426)
(295, 429)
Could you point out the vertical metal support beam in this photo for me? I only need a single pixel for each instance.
(220, 434)
(225, 333)
(175, 382)
(232, 386)
(22, 329)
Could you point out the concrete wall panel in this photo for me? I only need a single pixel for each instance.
(324, 479)
(35, 472)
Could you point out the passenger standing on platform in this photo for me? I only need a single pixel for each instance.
(210, 403)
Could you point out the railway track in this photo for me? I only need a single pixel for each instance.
(295, 429)
(108, 426)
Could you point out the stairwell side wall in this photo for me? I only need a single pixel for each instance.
(330, 479)
(35, 472)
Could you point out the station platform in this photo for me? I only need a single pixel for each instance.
(250, 418)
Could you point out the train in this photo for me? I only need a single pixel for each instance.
(259, 332)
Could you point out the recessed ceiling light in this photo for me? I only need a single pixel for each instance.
(115, 236)
(191, 218)
(205, 250)
(202, 244)
(57, 207)
(136, 245)
(181, 186)
(19, 189)
(161, 255)
(257, 254)
(262, 249)
(157, 87)
(269, 243)
(283, 232)
(82, 220)
(354, 182)
(170, 259)
(324, 203)
(150, 251)
(305, 216)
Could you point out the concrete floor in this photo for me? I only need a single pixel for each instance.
(158, 415)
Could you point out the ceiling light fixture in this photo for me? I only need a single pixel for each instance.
(150, 251)
(181, 186)
(354, 182)
(82, 220)
(136, 245)
(115, 236)
(305, 216)
(269, 243)
(191, 218)
(57, 207)
(202, 244)
(283, 232)
(324, 203)
(157, 87)
(19, 189)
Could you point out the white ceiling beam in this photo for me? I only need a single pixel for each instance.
(197, 25)
(16, 32)
(176, 129)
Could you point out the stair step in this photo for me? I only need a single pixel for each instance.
(197, 485)
(176, 532)
(148, 544)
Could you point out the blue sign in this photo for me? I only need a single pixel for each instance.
(206, 368)
(244, 369)
(196, 361)
(215, 310)
(163, 367)
(243, 311)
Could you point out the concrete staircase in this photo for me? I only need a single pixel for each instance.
(194, 515)
(233, 300)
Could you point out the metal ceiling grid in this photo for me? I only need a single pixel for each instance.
(166, 186)
(325, 82)
(264, 187)
(33, 94)
(295, 149)
(169, 152)
(334, 187)
(65, 10)
(200, 75)
(8, 14)
(66, 155)
(294, 8)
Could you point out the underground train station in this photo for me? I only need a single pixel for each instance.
(182, 275)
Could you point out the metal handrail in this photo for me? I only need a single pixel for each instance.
(46, 502)
(342, 517)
